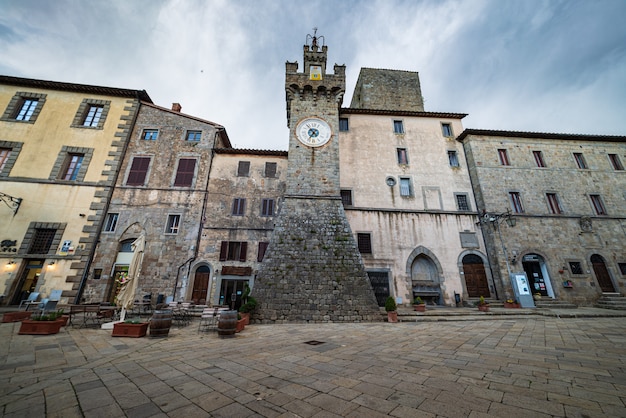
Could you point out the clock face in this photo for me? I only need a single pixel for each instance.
(313, 132)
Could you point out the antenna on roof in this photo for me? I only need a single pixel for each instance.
(312, 40)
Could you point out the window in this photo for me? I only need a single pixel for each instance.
(453, 158)
(622, 268)
(576, 267)
(446, 129)
(615, 162)
(343, 125)
(598, 205)
(5, 153)
(71, 166)
(233, 250)
(270, 170)
(173, 224)
(194, 136)
(398, 127)
(580, 160)
(405, 187)
(24, 107)
(92, 118)
(267, 207)
(539, 159)
(262, 250)
(364, 242)
(346, 197)
(462, 202)
(516, 202)
(243, 170)
(150, 134)
(138, 171)
(402, 156)
(239, 206)
(42, 241)
(111, 222)
(91, 113)
(554, 204)
(504, 157)
(185, 172)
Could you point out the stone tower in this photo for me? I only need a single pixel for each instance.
(312, 270)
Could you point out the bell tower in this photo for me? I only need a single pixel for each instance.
(312, 270)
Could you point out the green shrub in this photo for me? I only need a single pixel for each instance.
(390, 304)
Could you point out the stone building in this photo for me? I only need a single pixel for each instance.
(61, 146)
(161, 193)
(567, 196)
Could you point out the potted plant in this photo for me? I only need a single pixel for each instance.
(483, 306)
(41, 324)
(537, 296)
(241, 323)
(391, 308)
(248, 305)
(130, 328)
(511, 304)
(419, 305)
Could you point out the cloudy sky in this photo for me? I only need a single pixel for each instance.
(529, 65)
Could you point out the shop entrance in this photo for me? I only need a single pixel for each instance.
(28, 280)
(538, 278)
(230, 287)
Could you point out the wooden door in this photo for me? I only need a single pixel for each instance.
(475, 277)
(200, 287)
(602, 274)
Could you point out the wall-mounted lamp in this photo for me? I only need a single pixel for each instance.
(52, 263)
(513, 257)
(82, 215)
(10, 263)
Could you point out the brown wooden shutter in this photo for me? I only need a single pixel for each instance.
(224, 251)
(244, 251)
(262, 249)
(185, 172)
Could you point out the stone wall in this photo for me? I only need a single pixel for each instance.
(388, 90)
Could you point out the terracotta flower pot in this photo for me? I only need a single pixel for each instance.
(241, 324)
(126, 329)
(483, 308)
(392, 316)
(29, 327)
(511, 305)
(420, 308)
(16, 316)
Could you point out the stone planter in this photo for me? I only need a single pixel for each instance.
(420, 308)
(126, 329)
(241, 324)
(392, 316)
(483, 308)
(29, 327)
(511, 305)
(16, 316)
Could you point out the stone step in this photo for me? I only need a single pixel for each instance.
(611, 301)
(554, 304)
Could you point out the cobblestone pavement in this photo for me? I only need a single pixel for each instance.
(509, 367)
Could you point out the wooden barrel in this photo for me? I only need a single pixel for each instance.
(227, 324)
(160, 323)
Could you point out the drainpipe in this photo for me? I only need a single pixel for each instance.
(92, 252)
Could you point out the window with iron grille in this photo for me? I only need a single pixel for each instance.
(41, 241)
(402, 156)
(243, 169)
(554, 204)
(150, 134)
(615, 162)
(405, 187)
(262, 249)
(185, 172)
(453, 158)
(598, 205)
(173, 224)
(233, 250)
(576, 267)
(239, 206)
(111, 222)
(516, 202)
(267, 207)
(462, 202)
(503, 155)
(343, 125)
(346, 197)
(398, 127)
(138, 171)
(580, 160)
(364, 242)
(539, 159)
(270, 170)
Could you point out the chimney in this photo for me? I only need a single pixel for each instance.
(176, 107)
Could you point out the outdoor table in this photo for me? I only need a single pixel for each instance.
(91, 313)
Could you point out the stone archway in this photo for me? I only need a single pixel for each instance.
(201, 285)
(425, 274)
(476, 281)
(602, 274)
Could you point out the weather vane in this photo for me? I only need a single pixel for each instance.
(313, 40)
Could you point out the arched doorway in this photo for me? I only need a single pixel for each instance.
(120, 268)
(537, 273)
(425, 279)
(475, 276)
(602, 274)
(201, 285)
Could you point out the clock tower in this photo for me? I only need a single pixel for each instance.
(312, 270)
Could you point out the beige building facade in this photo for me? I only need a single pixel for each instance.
(60, 149)
(567, 194)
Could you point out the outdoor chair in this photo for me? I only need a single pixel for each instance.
(32, 300)
(47, 305)
(208, 319)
